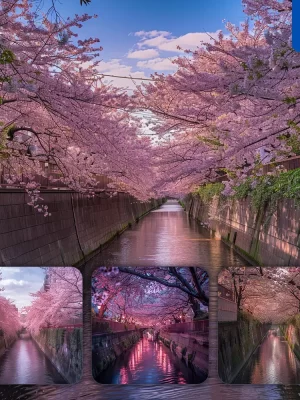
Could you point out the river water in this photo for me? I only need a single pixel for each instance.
(272, 362)
(165, 237)
(25, 363)
(148, 362)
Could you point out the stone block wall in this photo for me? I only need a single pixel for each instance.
(237, 342)
(107, 347)
(291, 331)
(5, 343)
(264, 240)
(192, 348)
(78, 225)
(64, 349)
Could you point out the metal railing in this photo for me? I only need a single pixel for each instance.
(100, 325)
(186, 327)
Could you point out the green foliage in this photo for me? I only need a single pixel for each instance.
(243, 190)
(265, 191)
(6, 56)
(291, 140)
(290, 100)
(210, 141)
(3, 139)
(208, 191)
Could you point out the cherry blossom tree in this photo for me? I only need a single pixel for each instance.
(59, 303)
(230, 99)
(150, 295)
(9, 316)
(55, 110)
(269, 294)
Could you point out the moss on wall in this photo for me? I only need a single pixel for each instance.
(64, 349)
(260, 236)
(107, 347)
(291, 331)
(237, 341)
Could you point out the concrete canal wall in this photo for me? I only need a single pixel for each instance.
(260, 239)
(291, 331)
(5, 343)
(237, 342)
(193, 349)
(108, 346)
(64, 349)
(78, 225)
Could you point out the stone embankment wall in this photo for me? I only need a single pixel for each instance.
(5, 343)
(64, 349)
(261, 239)
(237, 342)
(78, 225)
(192, 348)
(291, 331)
(107, 347)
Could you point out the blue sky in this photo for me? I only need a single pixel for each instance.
(19, 282)
(140, 37)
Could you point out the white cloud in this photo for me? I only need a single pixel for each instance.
(143, 54)
(14, 282)
(158, 64)
(149, 34)
(166, 42)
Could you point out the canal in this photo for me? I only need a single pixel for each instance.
(25, 363)
(272, 362)
(167, 237)
(148, 362)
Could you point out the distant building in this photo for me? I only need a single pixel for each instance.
(47, 282)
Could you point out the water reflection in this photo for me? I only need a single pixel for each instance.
(273, 362)
(24, 363)
(167, 236)
(212, 388)
(149, 362)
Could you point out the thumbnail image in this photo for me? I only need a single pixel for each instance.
(150, 325)
(259, 325)
(40, 325)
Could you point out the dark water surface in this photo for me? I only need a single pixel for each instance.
(148, 362)
(25, 363)
(166, 237)
(273, 362)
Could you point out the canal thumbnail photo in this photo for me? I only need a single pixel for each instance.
(259, 325)
(150, 325)
(41, 329)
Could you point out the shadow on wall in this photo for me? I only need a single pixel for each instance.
(78, 226)
(261, 242)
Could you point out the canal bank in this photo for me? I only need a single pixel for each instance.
(191, 348)
(168, 237)
(78, 225)
(272, 362)
(107, 347)
(263, 237)
(6, 342)
(237, 342)
(148, 361)
(25, 363)
(63, 348)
